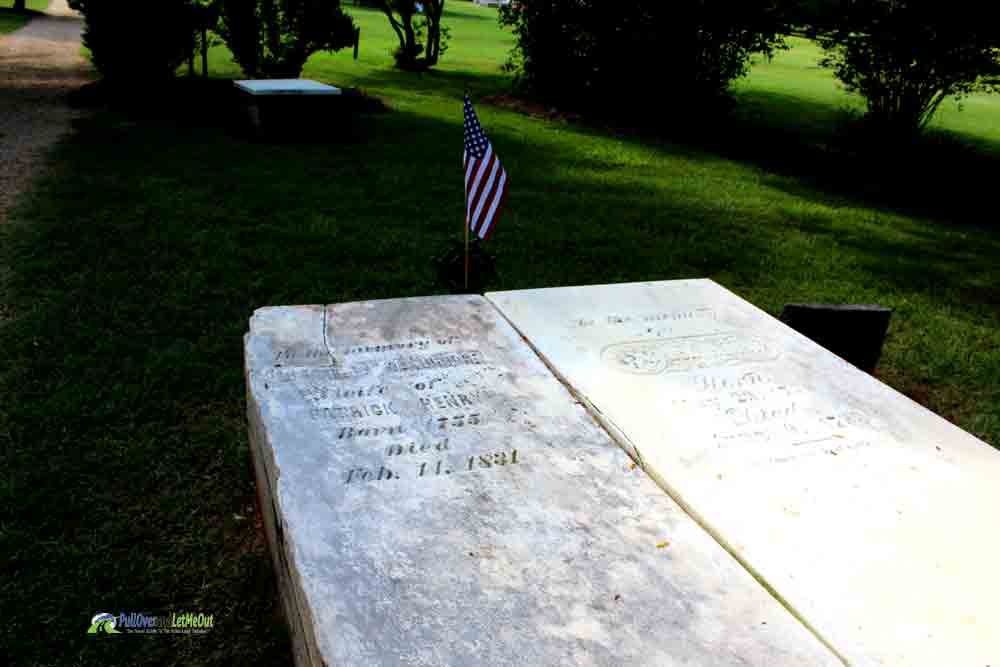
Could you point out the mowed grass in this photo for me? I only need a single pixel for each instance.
(131, 271)
(11, 20)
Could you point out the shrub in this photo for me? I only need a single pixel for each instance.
(274, 38)
(625, 56)
(905, 57)
(124, 51)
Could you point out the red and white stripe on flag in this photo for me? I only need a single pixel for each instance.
(485, 178)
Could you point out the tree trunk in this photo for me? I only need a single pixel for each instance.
(411, 36)
(433, 42)
(19, 6)
(204, 52)
(271, 42)
(433, 11)
(433, 45)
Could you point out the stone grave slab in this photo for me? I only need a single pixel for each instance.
(264, 87)
(874, 519)
(288, 107)
(433, 495)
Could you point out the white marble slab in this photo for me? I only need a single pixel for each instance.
(434, 496)
(285, 87)
(876, 520)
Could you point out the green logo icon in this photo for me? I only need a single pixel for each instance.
(103, 624)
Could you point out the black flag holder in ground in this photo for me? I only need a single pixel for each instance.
(462, 268)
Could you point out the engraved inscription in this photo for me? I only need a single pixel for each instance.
(755, 408)
(436, 468)
(418, 345)
(417, 414)
(414, 448)
(677, 355)
(412, 363)
(351, 432)
(687, 315)
(292, 355)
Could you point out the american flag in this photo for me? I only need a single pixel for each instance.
(485, 178)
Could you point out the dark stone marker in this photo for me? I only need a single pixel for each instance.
(853, 333)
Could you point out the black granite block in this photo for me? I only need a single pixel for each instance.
(855, 333)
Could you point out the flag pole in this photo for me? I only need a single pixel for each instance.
(466, 254)
(466, 223)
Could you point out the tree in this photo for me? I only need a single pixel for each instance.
(628, 56)
(19, 6)
(413, 20)
(205, 18)
(274, 38)
(126, 54)
(905, 57)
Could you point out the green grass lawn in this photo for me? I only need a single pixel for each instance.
(134, 266)
(11, 20)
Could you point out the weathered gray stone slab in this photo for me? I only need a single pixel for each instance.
(876, 520)
(267, 87)
(434, 496)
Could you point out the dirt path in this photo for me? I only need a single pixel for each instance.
(39, 65)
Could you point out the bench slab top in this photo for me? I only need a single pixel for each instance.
(285, 87)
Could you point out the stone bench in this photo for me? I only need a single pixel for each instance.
(276, 106)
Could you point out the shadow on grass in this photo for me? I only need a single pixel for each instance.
(445, 83)
(916, 261)
(826, 155)
(942, 175)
